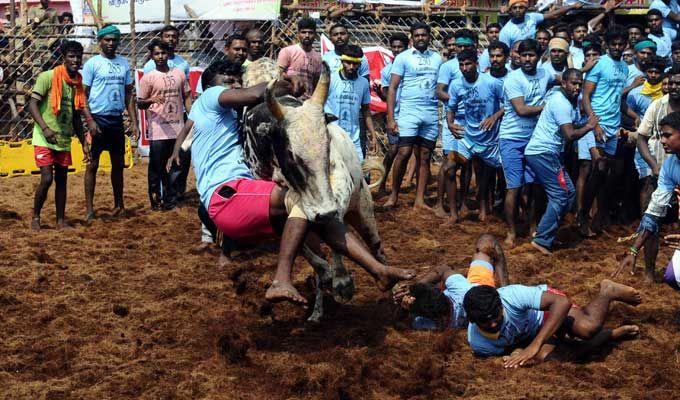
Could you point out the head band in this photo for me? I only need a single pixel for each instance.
(645, 44)
(108, 30)
(464, 41)
(513, 2)
(558, 43)
(355, 60)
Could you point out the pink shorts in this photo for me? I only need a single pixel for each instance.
(243, 214)
(45, 157)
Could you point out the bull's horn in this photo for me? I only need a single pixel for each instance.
(321, 90)
(277, 110)
(371, 164)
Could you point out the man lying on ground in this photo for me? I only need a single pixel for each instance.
(501, 320)
(443, 309)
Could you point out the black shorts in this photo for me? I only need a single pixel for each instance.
(416, 141)
(111, 136)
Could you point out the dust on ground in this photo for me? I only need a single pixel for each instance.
(126, 308)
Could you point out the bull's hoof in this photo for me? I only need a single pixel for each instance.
(313, 321)
(343, 288)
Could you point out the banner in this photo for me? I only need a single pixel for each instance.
(377, 57)
(143, 143)
(413, 3)
(152, 10)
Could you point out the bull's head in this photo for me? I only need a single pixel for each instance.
(307, 169)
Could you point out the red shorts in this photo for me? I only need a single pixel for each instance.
(44, 157)
(558, 292)
(242, 213)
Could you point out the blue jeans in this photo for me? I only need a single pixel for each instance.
(550, 173)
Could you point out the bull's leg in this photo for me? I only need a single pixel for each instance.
(317, 312)
(324, 271)
(343, 285)
(362, 219)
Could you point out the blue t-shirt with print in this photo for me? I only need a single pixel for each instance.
(385, 77)
(107, 79)
(547, 137)
(522, 319)
(345, 98)
(533, 88)
(448, 72)
(610, 77)
(513, 32)
(481, 99)
(665, 11)
(418, 72)
(664, 42)
(216, 153)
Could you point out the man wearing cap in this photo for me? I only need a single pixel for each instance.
(558, 50)
(108, 86)
(644, 50)
(523, 26)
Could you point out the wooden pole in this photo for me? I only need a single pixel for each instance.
(166, 19)
(95, 14)
(99, 9)
(12, 13)
(133, 35)
(23, 13)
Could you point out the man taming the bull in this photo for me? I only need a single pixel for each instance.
(246, 209)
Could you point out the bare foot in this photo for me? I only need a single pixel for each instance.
(620, 292)
(391, 202)
(510, 240)
(451, 221)
(223, 261)
(540, 248)
(482, 216)
(35, 223)
(625, 332)
(390, 276)
(585, 231)
(61, 225)
(439, 211)
(283, 291)
(420, 205)
(464, 211)
(119, 212)
(382, 192)
(89, 217)
(649, 276)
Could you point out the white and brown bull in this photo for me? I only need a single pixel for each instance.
(291, 143)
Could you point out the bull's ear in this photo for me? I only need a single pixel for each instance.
(330, 118)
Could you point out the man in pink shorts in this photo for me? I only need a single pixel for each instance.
(246, 209)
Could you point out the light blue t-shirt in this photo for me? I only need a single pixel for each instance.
(333, 60)
(513, 32)
(550, 69)
(533, 88)
(664, 42)
(547, 137)
(175, 62)
(216, 154)
(481, 99)
(638, 102)
(669, 176)
(107, 79)
(633, 72)
(385, 77)
(448, 72)
(345, 98)
(484, 61)
(522, 319)
(610, 77)
(577, 56)
(455, 288)
(418, 73)
(665, 11)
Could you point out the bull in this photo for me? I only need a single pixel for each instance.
(292, 143)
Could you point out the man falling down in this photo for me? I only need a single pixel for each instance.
(443, 309)
(502, 319)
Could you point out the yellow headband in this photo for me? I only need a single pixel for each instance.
(513, 2)
(558, 43)
(350, 59)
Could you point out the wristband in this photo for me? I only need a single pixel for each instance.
(633, 251)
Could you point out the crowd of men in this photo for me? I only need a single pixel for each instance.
(541, 106)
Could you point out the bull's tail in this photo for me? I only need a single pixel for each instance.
(371, 164)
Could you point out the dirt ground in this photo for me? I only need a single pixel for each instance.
(128, 309)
